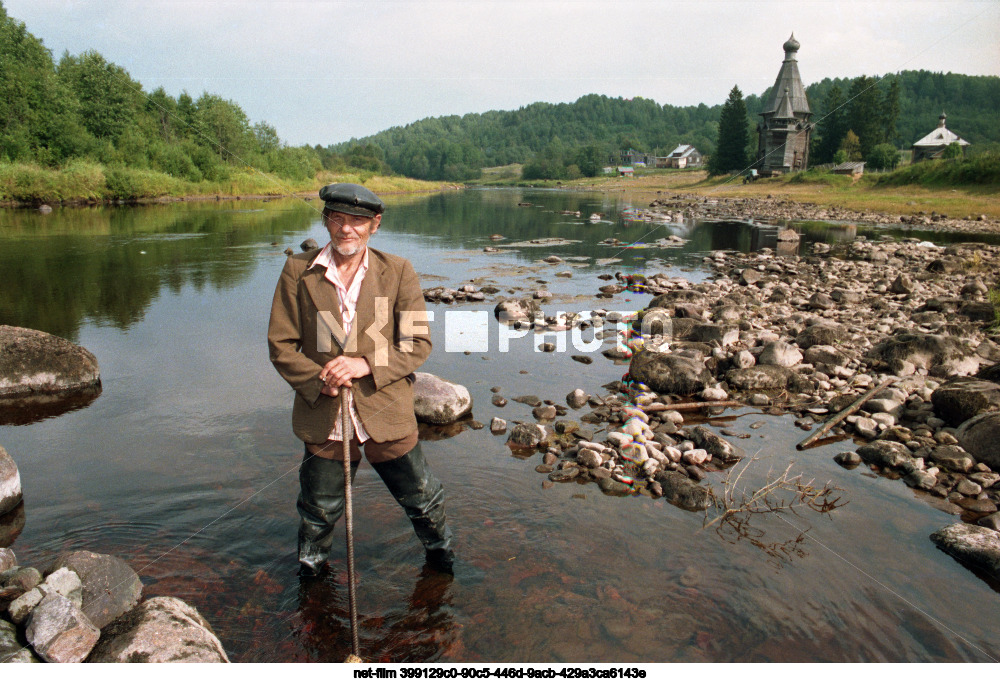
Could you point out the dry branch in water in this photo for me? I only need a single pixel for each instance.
(783, 493)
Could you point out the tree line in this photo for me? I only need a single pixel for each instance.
(561, 141)
(84, 106)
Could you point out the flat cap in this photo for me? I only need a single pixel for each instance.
(346, 197)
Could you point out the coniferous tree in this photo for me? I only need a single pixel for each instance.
(734, 136)
(832, 126)
(890, 112)
(865, 113)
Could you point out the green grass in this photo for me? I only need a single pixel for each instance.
(979, 170)
(88, 182)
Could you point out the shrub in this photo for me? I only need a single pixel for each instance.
(883, 157)
(133, 183)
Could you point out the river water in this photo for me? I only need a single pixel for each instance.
(186, 467)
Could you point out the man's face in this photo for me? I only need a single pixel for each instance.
(349, 234)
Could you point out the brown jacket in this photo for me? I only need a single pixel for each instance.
(394, 345)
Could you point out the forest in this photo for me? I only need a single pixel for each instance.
(85, 109)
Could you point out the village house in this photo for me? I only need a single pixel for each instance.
(685, 156)
(784, 133)
(634, 158)
(853, 168)
(932, 145)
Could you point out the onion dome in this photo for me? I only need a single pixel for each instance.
(791, 45)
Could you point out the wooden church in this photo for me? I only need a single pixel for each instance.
(785, 131)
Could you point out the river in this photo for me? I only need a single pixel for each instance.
(185, 466)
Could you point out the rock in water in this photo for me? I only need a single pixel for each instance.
(10, 483)
(577, 398)
(885, 453)
(59, 631)
(715, 445)
(669, 373)
(516, 310)
(973, 544)
(527, 435)
(110, 586)
(436, 401)
(33, 363)
(160, 630)
(681, 491)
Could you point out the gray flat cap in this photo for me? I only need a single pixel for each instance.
(345, 197)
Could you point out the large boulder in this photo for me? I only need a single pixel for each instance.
(962, 399)
(975, 545)
(979, 436)
(59, 631)
(822, 334)
(761, 378)
(160, 630)
(110, 586)
(670, 372)
(34, 363)
(939, 354)
(437, 401)
(953, 458)
(10, 483)
(780, 354)
(885, 453)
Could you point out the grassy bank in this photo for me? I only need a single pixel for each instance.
(968, 187)
(88, 182)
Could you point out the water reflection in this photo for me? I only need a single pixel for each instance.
(11, 525)
(108, 264)
(186, 465)
(30, 409)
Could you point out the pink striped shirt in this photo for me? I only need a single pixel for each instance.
(348, 297)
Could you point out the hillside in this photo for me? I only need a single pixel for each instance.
(456, 148)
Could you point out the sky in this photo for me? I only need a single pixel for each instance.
(325, 71)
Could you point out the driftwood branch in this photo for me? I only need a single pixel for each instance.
(693, 406)
(843, 414)
(783, 492)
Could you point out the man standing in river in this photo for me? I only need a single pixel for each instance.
(350, 318)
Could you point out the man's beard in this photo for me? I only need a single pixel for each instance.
(347, 250)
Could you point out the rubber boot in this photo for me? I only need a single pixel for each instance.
(421, 496)
(320, 504)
